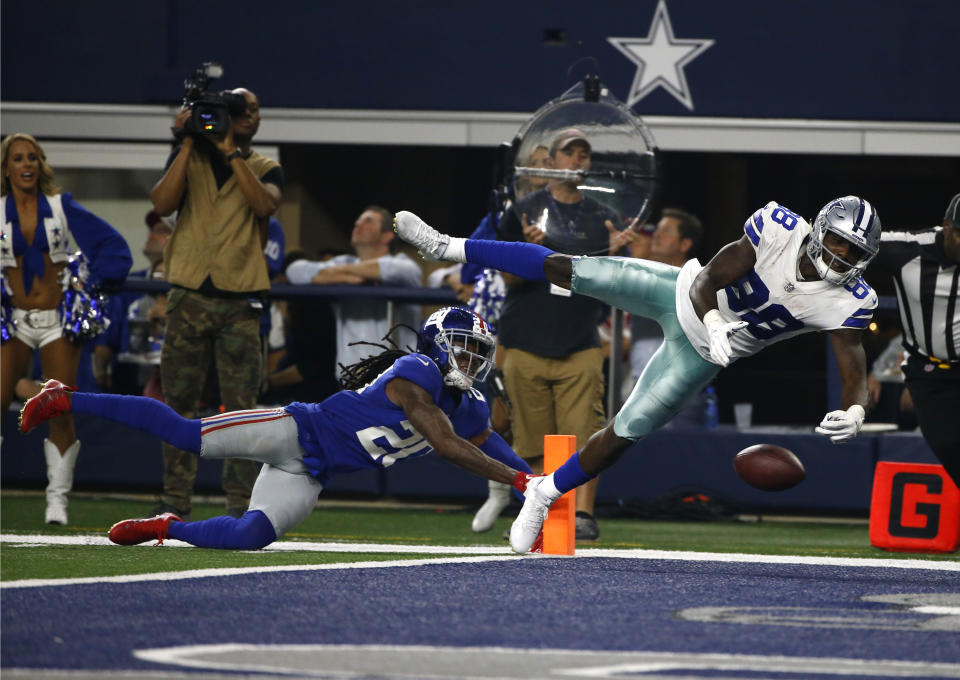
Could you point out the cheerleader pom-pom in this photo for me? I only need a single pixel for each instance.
(83, 309)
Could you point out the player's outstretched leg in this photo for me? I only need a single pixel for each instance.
(134, 531)
(51, 401)
(143, 413)
(431, 244)
(252, 531)
(529, 522)
(527, 260)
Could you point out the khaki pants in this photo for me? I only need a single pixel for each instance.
(553, 396)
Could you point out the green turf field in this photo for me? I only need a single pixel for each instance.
(412, 527)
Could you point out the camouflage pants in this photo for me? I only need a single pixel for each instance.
(205, 333)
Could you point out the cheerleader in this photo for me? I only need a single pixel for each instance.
(47, 301)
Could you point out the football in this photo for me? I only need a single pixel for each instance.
(769, 467)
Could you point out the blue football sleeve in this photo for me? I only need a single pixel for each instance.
(420, 370)
(498, 449)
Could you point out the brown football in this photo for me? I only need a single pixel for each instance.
(769, 467)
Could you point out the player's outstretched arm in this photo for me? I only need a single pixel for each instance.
(844, 425)
(427, 419)
(733, 262)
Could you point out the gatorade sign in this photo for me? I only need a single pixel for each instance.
(915, 508)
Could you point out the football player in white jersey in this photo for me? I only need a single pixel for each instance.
(783, 277)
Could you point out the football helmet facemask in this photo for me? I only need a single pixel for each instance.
(855, 221)
(461, 344)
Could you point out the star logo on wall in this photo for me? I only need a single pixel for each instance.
(661, 58)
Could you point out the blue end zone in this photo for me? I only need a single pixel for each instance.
(579, 604)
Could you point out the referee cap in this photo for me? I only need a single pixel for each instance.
(953, 211)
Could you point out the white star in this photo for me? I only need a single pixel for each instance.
(660, 59)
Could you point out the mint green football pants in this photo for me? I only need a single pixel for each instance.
(676, 371)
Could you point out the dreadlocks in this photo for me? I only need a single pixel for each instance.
(365, 371)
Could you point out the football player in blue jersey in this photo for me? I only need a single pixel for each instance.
(394, 406)
(783, 277)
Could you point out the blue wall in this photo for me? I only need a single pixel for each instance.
(842, 59)
(838, 478)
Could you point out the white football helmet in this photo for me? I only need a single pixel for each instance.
(852, 219)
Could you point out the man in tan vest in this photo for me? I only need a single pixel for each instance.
(225, 194)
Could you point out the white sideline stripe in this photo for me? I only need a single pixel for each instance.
(493, 554)
(238, 571)
(276, 546)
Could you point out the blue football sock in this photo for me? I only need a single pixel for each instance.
(570, 475)
(144, 414)
(250, 532)
(522, 259)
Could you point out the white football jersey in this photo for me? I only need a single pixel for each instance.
(771, 298)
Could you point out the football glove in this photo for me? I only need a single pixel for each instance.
(842, 426)
(720, 332)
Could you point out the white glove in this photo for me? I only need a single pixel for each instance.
(720, 332)
(842, 426)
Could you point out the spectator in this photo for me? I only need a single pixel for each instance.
(925, 272)
(224, 192)
(41, 229)
(538, 158)
(451, 277)
(674, 241)
(305, 371)
(375, 262)
(129, 317)
(553, 363)
(271, 321)
(889, 398)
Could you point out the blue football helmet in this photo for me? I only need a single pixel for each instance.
(852, 219)
(461, 344)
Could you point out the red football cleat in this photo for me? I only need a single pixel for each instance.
(50, 402)
(134, 531)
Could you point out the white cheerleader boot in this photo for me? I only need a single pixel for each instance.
(497, 500)
(59, 479)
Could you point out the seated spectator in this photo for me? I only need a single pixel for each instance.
(376, 262)
(305, 368)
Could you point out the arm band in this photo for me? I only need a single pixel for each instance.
(498, 449)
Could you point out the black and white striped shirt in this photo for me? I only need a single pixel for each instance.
(926, 286)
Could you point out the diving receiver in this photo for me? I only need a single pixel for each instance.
(783, 277)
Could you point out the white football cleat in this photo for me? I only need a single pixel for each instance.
(497, 500)
(430, 242)
(526, 527)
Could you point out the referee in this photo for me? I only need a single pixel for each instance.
(925, 272)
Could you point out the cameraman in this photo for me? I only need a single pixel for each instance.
(225, 194)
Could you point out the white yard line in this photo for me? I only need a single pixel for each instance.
(480, 554)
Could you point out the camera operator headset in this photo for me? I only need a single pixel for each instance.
(224, 193)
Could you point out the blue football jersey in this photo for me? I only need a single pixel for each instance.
(359, 429)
